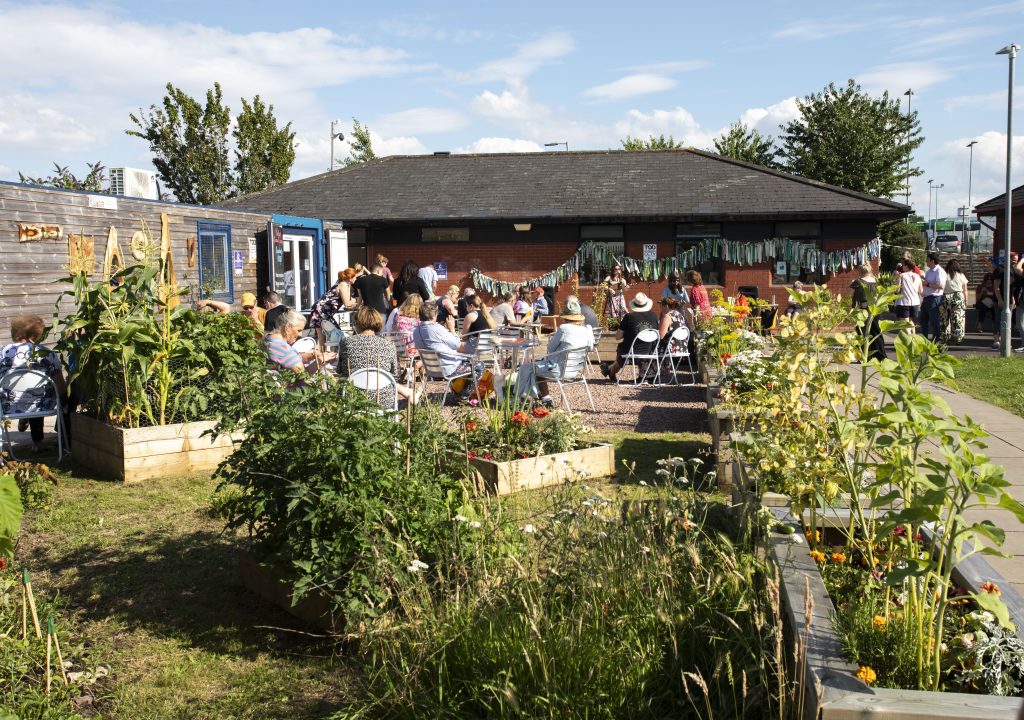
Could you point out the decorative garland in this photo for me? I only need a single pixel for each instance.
(737, 252)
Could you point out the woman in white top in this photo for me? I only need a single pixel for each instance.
(955, 300)
(908, 305)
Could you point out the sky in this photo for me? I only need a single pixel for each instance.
(510, 77)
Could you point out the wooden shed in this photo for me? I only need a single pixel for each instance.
(214, 250)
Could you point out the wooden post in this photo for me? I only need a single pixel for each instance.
(48, 675)
(27, 587)
(51, 628)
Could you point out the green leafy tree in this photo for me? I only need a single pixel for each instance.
(747, 144)
(636, 144)
(897, 238)
(62, 177)
(849, 138)
(190, 145)
(264, 153)
(361, 146)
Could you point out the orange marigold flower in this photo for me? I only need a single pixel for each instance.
(879, 621)
(818, 556)
(470, 425)
(539, 412)
(814, 537)
(838, 557)
(520, 418)
(990, 587)
(866, 674)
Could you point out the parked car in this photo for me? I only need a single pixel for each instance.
(947, 243)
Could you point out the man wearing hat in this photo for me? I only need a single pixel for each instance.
(540, 304)
(254, 312)
(639, 318)
(572, 334)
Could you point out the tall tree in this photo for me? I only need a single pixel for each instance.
(636, 144)
(743, 143)
(62, 177)
(263, 153)
(190, 145)
(848, 138)
(360, 146)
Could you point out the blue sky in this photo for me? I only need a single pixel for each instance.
(490, 77)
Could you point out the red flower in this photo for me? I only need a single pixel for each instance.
(471, 455)
(726, 357)
(488, 457)
(990, 587)
(520, 418)
(3, 563)
(539, 412)
(470, 425)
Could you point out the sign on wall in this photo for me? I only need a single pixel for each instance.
(252, 250)
(650, 251)
(239, 259)
(441, 268)
(103, 202)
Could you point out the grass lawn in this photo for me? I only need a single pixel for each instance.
(151, 584)
(999, 381)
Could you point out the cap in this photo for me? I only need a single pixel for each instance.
(248, 298)
(537, 290)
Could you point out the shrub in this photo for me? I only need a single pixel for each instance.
(35, 482)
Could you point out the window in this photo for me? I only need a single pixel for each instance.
(689, 235)
(610, 239)
(449, 234)
(215, 279)
(783, 272)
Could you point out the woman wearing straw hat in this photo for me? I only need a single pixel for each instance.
(572, 334)
(638, 319)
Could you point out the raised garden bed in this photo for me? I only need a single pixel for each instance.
(502, 478)
(271, 584)
(136, 454)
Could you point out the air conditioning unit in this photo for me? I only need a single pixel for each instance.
(132, 182)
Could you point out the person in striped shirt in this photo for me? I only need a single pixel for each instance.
(279, 343)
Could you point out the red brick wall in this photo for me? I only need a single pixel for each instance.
(505, 254)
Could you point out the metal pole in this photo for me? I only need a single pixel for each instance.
(909, 93)
(970, 178)
(928, 223)
(332, 144)
(1010, 50)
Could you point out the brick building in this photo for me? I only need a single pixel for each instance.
(517, 216)
(992, 213)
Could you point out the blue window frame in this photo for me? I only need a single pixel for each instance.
(215, 277)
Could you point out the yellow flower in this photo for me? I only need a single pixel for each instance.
(866, 674)
(838, 557)
(818, 556)
(879, 621)
(817, 535)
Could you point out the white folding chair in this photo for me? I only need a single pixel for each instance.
(401, 339)
(376, 383)
(304, 344)
(434, 369)
(20, 389)
(485, 346)
(644, 350)
(680, 339)
(598, 332)
(573, 372)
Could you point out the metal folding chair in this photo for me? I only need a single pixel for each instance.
(375, 383)
(680, 339)
(643, 350)
(485, 346)
(434, 369)
(27, 383)
(573, 372)
(598, 333)
(402, 340)
(304, 344)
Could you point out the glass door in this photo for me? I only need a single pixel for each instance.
(295, 271)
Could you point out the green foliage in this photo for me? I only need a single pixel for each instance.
(10, 515)
(509, 429)
(35, 482)
(326, 492)
(897, 237)
(140, 358)
(747, 144)
(885, 643)
(848, 138)
(189, 142)
(264, 154)
(604, 614)
(993, 379)
(636, 144)
(361, 146)
(94, 181)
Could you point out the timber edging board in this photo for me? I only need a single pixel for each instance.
(270, 583)
(831, 687)
(136, 454)
(502, 478)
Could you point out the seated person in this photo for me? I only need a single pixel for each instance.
(253, 311)
(431, 335)
(589, 316)
(638, 319)
(571, 334)
(672, 318)
(280, 340)
(478, 320)
(25, 352)
(503, 314)
(523, 308)
(539, 305)
(367, 349)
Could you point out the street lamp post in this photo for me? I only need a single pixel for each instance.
(970, 178)
(909, 93)
(339, 136)
(1011, 51)
(928, 223)
(556, 144)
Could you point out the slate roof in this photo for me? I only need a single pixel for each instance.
(999, 201)
(562, 186)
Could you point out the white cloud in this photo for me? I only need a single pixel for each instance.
(994, 101)
(767, 120)
(25, 120)
(897, 77)
(528, 58)
(631, 86)
(500, 145)
(671, 66)
(933, 41)
(511, 104)
(817, 29)
(679, 123)
(421, 120)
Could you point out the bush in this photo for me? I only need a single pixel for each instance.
(339, 494)
(35, 482)
(897, 238)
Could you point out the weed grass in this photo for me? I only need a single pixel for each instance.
(999, 381)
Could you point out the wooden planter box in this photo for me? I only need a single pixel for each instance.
(502, 478)
(271, 584)
(136, 454)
